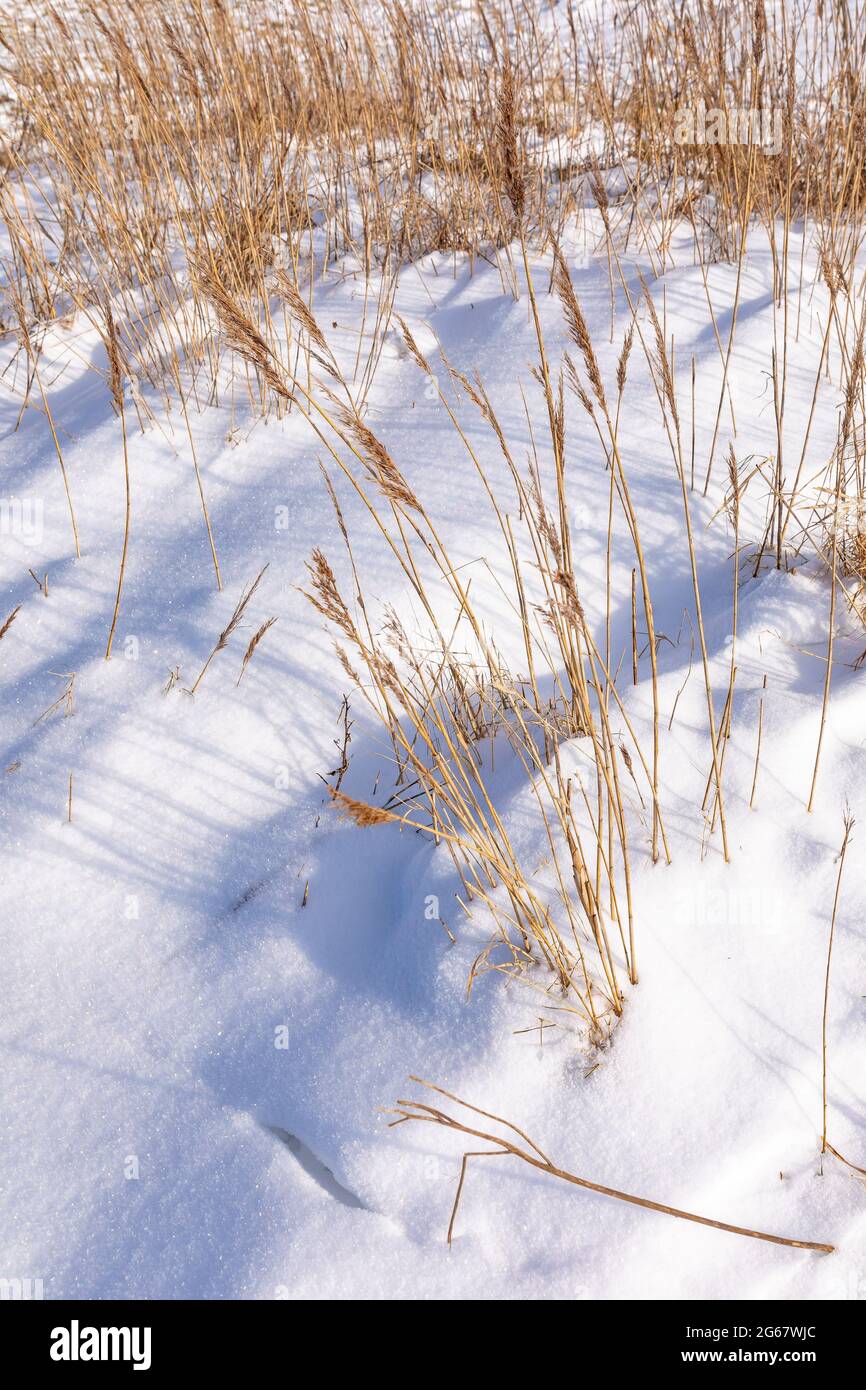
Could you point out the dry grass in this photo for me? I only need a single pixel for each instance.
(503, 1145)
(262, 144)
(4, 628)
(231, 627)
(178, 176)
(441, 698)
(848, 827)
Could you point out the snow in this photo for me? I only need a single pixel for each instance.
(195, 1058)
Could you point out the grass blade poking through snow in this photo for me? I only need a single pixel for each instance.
(231, 625)
(848, 822)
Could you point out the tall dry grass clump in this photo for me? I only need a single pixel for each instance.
(180, 176)
(445, 696)
(142, 144)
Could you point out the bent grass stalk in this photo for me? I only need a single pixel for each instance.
(419, 1111)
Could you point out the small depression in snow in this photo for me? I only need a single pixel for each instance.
(316, 1169)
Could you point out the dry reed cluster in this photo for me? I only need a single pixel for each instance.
(179, 175)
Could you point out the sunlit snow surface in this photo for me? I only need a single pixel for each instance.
(194, 1061)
